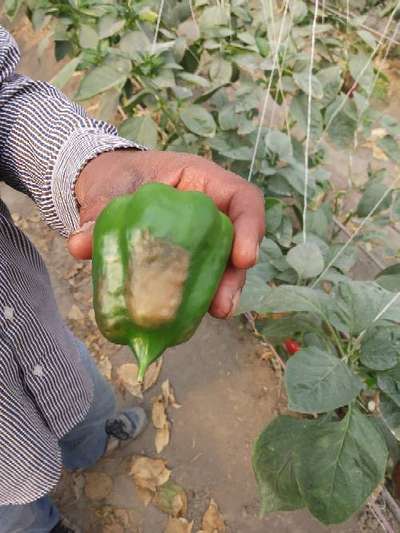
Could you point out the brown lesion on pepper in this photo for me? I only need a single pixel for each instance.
(157, 272)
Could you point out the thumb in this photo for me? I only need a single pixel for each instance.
(80, 242)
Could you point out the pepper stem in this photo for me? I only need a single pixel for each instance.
(142, 371)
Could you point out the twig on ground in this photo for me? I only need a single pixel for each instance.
(391, 503)
(380, 517)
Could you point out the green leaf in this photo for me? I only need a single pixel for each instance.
(380, 348)
(343, 127)
(346, 260)
(318, 382)
(273, 214)
(284, 233)
(360, 71)
(368, 38)
(213, 16)
(390, 414)
(340, 465)
(109, 25)
(61, 49)
(331, 81)
(371, 196)
(298, 109)
(291, 298)
(389, 383)
(319, 222)
(134, 42)
(273, 254)
(279, 143)
(98, 80)
(302, 81)
(306, 259)
(88, 37)
(299, 10)
(142, 130)
(220, 71)
(228, 119)
(256, 291)
(11, 7)
(65, 73)
(198, 120)
(277, 330)
(391, 148)
(360, 302)
(389, 278)
(194, 79)
(274, 456)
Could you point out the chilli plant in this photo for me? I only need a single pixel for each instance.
(285, 94)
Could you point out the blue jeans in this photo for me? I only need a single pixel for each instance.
(81, 448)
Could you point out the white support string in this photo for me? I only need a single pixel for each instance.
(355, 233)
(391, 302)
(308, 133)
(193, 15)
(362, 72)
(279, 84)
(264, 109)
(153, 46)
(353, 22)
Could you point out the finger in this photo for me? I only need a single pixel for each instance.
(228, 293)
(240, 200)
(246, 210)
(80, 243)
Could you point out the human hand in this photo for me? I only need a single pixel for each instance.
(121, 172)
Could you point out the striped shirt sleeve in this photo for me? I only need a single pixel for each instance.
(46, 140)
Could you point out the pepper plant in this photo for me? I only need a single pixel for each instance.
(236, 81)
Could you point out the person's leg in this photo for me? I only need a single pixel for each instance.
(40, 516)
(86, 443)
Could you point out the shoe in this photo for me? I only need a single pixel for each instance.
(127, 425)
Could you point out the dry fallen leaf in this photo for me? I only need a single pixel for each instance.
(78, 484)
(75, 313)
(378, 153)
(105, 367)
(169, 395)
(145, 495)
(158, 414)
(149, 473)
(212, 519)
(161, 439)
(179, 525)
(152, 374)
(98, 485)
(171, 499)
(127, 377)
(160, 422)
(113, 528)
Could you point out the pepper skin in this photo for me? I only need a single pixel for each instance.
(158, 257)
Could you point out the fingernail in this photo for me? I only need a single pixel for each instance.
(85, 228)
(235, 302)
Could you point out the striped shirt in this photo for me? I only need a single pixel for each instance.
(45, 140)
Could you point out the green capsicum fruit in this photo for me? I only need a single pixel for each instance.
(158, 257)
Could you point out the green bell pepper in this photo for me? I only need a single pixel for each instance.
(158, 257)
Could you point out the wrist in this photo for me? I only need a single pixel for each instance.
(108, 174)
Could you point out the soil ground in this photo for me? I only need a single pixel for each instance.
(227, 391)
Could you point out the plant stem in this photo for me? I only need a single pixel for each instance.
(336, 339)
